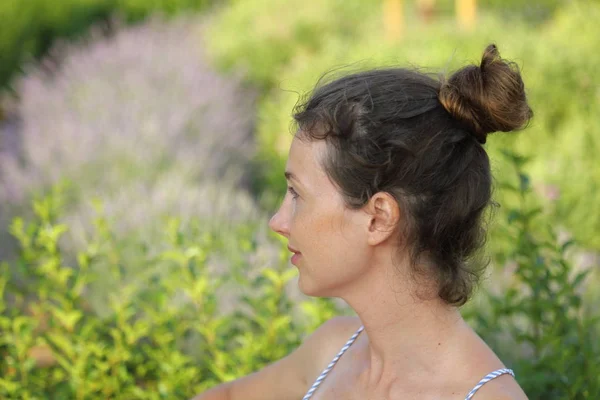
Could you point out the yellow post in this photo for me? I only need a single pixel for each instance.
(466, 13)
(426, 10)
(393, 19)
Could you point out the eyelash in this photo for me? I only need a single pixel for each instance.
(293, 192)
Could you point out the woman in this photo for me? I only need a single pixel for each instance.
(388, 181)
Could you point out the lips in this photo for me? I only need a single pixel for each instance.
(293, 250)
(296, 255)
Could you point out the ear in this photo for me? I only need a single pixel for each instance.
(384, 214)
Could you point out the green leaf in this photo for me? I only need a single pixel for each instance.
(273, 276)
(580, 277)
(61, 343)
(524, 183)
(67, 318)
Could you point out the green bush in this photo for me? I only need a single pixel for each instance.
(275, 32)
(183, 325)
(30, 28)
(537, 320)
(166, 334)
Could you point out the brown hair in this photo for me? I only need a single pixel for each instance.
(420, 139)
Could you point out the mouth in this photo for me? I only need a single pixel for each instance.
(296, 255)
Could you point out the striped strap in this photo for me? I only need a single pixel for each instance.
(321, 378)
(487, 378)
(332, 364)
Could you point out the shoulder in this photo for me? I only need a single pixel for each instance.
(504, 387)
(335, 331)
(290, 377)
(321, 346)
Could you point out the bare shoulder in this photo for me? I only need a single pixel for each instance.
(334, 332)
(290, 377)
(325, 342)
(504, 387)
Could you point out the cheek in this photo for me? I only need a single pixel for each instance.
(331, 238)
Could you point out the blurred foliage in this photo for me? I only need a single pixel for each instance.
(168, 133)
(532, 11)
(168, 333)
(30, 28)
(277, 31)
(165, 335)
(558, 60)
(209, 296)
(537, 320)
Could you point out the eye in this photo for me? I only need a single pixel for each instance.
(293, 192)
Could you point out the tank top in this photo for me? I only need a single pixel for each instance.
(321, 378)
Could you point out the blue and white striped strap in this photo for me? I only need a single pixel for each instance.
(487, 378)
(332, 364)
(321, 378)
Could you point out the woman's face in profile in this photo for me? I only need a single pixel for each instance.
(329, 238)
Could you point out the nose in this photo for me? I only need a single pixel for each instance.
(279, 224)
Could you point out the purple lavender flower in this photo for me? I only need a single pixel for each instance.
(138, 120)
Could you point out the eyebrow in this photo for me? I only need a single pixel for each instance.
(291, 176)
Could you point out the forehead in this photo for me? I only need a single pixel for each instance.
(304, 160)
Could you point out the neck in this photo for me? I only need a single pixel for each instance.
(428, 328)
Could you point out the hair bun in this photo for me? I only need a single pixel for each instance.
(487, 98)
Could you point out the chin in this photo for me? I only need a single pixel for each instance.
(313, 290)
(307, 290)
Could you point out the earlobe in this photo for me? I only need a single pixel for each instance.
(384, 215)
